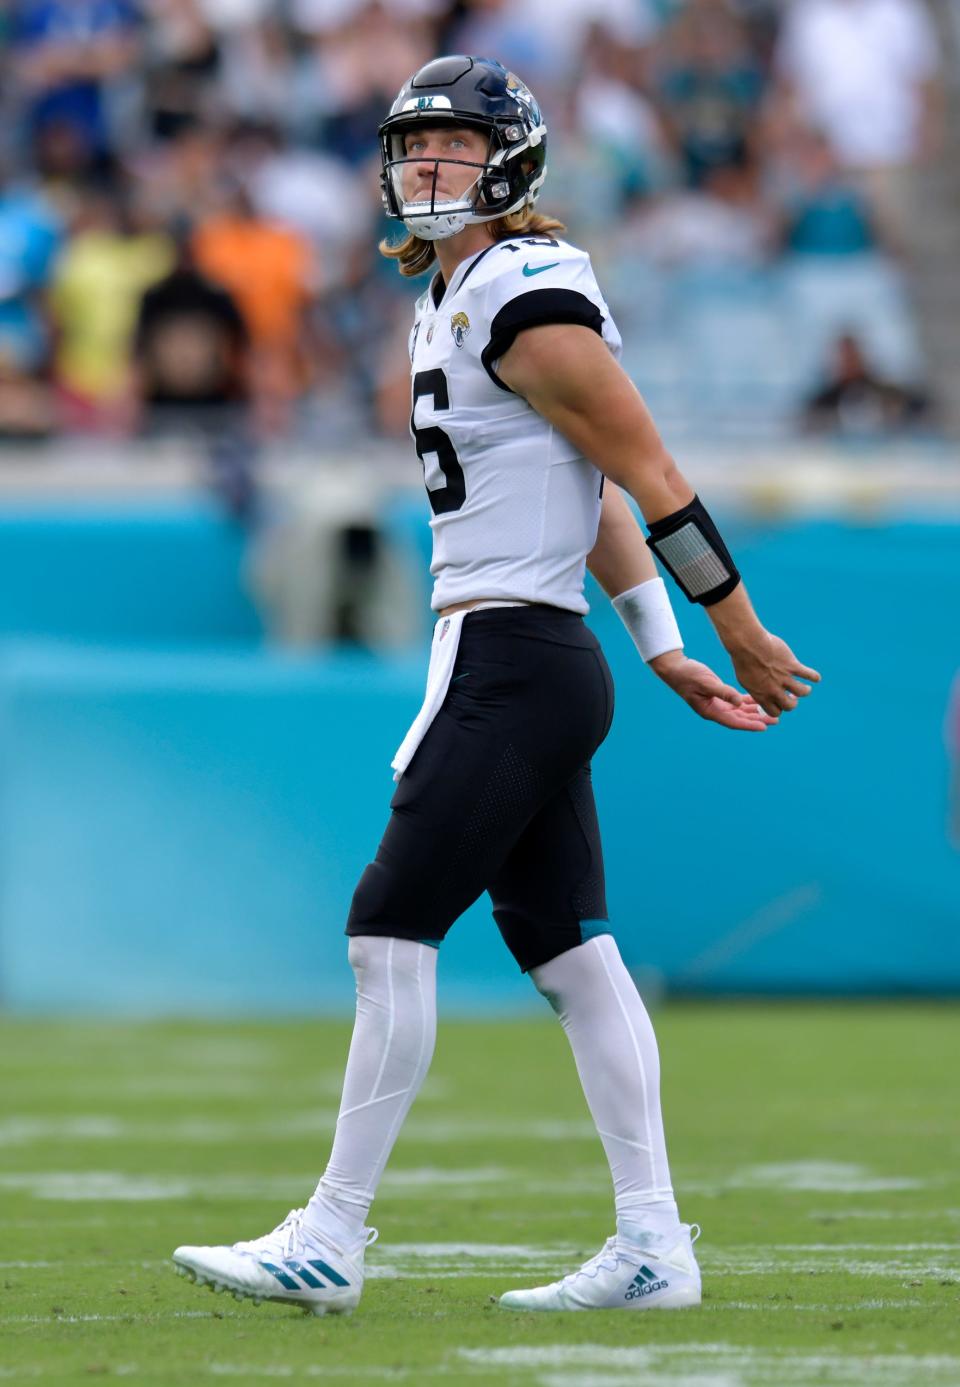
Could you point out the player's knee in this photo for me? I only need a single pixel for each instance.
(360, 954)
(545, 989)
(388, 966)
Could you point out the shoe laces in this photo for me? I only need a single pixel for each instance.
(288, 1238)
(285, 1240)
(607, 1259)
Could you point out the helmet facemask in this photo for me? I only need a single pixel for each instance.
(493, 193)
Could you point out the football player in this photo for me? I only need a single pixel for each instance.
(527, 428)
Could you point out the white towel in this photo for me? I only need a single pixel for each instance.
(443, 657)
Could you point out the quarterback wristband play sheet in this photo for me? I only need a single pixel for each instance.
(691, 549)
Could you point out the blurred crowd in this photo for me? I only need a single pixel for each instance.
(190, 209)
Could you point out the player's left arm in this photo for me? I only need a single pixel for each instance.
(566, 372)
(624, 567)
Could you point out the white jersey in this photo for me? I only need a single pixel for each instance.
(515, 506)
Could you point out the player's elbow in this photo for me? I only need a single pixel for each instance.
(642, 468)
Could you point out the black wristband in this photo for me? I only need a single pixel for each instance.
(689, 546)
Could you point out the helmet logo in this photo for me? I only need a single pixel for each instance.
(459, 326)
(519, 89)
(427, 103)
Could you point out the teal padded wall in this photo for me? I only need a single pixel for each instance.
(181, 828)
(121, 571)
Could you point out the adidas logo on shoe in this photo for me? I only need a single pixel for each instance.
(645, 1283)
(668, 1278)
(289, 1270)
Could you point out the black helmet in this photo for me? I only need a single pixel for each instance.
(479, 93)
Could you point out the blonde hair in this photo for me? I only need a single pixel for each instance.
(414, 255)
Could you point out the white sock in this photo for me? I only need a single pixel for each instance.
(616, 1055)
(390, 1053)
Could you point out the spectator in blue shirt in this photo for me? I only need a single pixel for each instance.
(30, 236)
(65, 52)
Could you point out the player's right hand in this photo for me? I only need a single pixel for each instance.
(770, 672)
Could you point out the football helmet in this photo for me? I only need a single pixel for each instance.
(481, 94)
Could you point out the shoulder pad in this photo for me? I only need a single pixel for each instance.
(528, 258)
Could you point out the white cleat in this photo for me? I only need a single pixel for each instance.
(661, 1275)
(288, 1265)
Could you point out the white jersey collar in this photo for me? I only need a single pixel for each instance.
(460, 274)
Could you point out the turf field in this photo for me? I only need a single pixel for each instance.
(819, 1147)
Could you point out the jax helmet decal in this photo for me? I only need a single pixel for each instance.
(481, 94)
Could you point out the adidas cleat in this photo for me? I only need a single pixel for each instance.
(662, 1275)
(288, 1265)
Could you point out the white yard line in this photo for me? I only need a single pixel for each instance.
(435, 1177)
(71, 1186)
(74, 1186)
(244, 1369)
(900, 1271)
(882, 1215)
(93, 1127)
(796, 1307)
(823, 1177)
(838, 1248)
(712, 1363)
(584, 1365)
(211, 1082)
(650, 1379)
(559, 1356)
(518, 1252)
(923, 1260)
(21, 1131)
(213, 1313)
(320, 1370)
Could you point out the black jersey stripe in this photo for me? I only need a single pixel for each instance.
(534, 309)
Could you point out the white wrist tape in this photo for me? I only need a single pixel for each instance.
(647, 614)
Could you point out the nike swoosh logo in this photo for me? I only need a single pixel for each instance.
(539, 269)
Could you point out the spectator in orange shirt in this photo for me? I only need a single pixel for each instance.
(269, 270)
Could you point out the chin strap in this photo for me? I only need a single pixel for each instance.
(436, 227)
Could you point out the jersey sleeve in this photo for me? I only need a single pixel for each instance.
(540, 283)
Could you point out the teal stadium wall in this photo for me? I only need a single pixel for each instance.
(184, 812)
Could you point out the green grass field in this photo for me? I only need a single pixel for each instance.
(818, 1146)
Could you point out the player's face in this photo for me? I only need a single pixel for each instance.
(427, 145)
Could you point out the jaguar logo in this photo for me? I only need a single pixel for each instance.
(459, 326)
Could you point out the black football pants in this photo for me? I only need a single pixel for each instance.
(498, 796)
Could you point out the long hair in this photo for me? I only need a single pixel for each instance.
(414, 255)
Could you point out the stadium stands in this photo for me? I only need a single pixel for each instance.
(738, 217)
